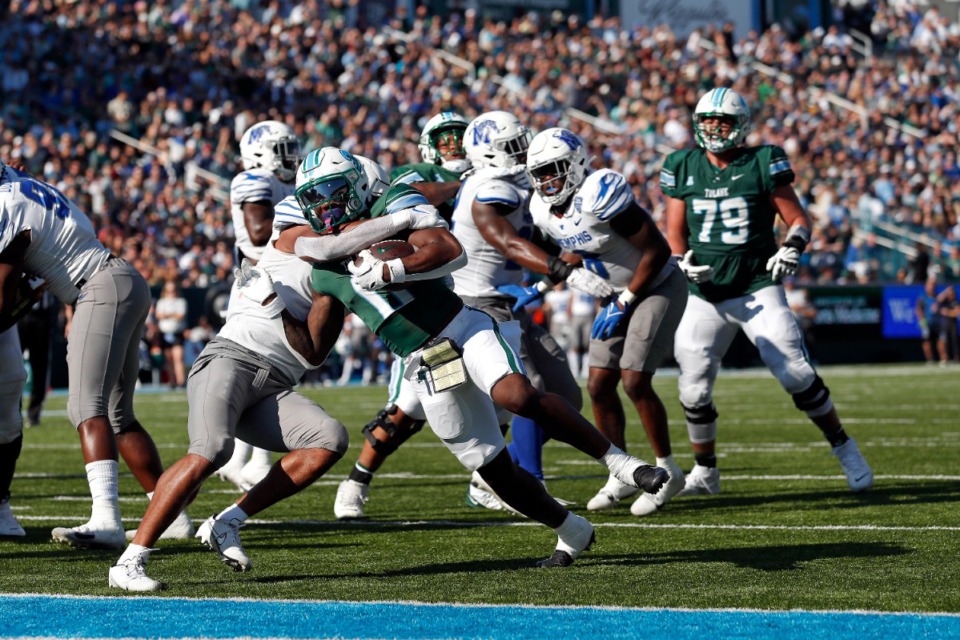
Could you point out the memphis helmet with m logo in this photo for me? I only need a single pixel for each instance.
(556, 164)
(496, 139)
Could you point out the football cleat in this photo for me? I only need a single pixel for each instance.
(611, 494)
(569, 548)
(701, 481)
(858, 472)
(233, 475)
(9, 527)
(131, 575)
(650, 478)
(351, 496)
(224, 538)
(179, 529)
(479, 494)
(649, 503)
(89, 536)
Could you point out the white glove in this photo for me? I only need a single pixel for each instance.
(784, 262)
(256, 285)
(694, 272)
(369, 273)
(589, 283)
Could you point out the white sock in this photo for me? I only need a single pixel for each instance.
(667, 462)
(102, 478)
(621, 464)
(132, 551)
(260, 457)
(233, 512)
(241, 451)
(572, 526)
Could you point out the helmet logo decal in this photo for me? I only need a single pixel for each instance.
(482, 131)
(567, 138)
(349, 157)
(258, 132)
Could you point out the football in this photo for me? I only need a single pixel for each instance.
(389, 250)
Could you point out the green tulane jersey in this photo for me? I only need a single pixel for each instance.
(426, 172)
(729, 215)
(403, 319)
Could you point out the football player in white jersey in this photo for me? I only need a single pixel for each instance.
(261, 330)
(492, 221)
(45, 235)
(13, 375)
(596, 216)
(270, 153)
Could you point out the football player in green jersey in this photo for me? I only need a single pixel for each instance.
(444, 162)
(723, 199)
(458, 358)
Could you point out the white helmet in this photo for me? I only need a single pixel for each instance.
(721, 103)
(496, 139)
(556, 155)
(377, 179)
(271, 145)
(448, 123)
(332, 188)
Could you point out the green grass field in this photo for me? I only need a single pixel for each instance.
(785, 532)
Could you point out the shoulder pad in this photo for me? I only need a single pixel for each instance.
(604, 194)
(406, 174)
(397, 198)
(498, 192)
(254, 185)
(287, 212)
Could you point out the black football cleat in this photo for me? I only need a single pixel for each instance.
(650, 478)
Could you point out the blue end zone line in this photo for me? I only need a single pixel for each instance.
(45, 616)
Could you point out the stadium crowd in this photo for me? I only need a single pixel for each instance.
(186, 78)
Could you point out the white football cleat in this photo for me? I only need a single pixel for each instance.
(233, 475)
(224, 538)
(858, 472)
(479, 494)
(179, 529)
(131, 575)
(700, 481)
(90, 536)
(351, 497)
(9, 527)
(611, 494)
(570, 547)
(649, 503)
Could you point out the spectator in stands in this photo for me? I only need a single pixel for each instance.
(171, 314)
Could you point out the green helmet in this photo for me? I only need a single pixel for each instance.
(332, 188)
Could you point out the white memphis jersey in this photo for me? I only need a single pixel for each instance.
(585, 227)
(487, 268)
(286, 213)
(254, 185)
(249, 326)
(64, 249)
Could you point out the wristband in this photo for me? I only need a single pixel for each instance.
(274, 307)
(398, 272)
(558, 270)
(627, 298)
(543, 287)
(798, 238)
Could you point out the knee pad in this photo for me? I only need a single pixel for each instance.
(815, 400)
(395, 436)
(701, 423)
